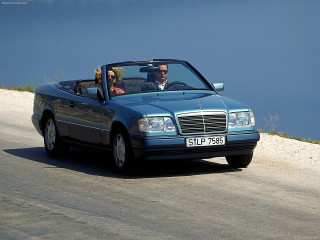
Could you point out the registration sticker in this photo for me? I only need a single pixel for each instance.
(205, 141)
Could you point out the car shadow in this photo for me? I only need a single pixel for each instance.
(98, 162)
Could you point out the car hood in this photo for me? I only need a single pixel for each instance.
(179, 102)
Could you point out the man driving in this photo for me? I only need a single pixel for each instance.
(161, 76)
(160, 79)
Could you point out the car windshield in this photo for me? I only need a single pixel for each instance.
(153, 77)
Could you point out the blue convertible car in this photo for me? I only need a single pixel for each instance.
(148, 110)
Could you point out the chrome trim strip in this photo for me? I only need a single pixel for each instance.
(82, 125)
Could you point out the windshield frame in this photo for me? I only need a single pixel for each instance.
(158, 61)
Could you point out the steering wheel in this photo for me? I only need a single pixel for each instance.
(170, 85)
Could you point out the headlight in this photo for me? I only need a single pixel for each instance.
(241, 119)
(156, 124)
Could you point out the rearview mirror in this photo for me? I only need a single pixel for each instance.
(149, 69)
(219, 87)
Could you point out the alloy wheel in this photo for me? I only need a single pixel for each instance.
(119, 151)
(50, 134)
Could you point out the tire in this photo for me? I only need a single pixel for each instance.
(239, 161)
(52, 142)
(122, 153)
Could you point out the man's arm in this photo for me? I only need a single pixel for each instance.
(149, 86)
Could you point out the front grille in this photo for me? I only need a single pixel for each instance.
(202, 122)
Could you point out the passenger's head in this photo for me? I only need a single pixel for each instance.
(112, 77)
(161, 74)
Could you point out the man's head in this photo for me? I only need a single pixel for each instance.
(161, 74)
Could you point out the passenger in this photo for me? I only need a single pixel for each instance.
(112, 80)
(160, 79)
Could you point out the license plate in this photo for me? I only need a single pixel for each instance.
(205, 141)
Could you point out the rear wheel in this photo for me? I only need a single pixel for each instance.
(52, 142)
(239, 161)
(121, 151)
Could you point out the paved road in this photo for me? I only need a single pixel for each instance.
(79, 197)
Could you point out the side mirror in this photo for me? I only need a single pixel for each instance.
(95, 93)
(219, 87)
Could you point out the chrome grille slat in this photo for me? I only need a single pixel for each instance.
(202, 122)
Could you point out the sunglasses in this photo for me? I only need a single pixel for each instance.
(163, 71)
(112, 76)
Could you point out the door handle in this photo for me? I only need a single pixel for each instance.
(71, 104)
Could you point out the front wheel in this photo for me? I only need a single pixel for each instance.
(52, 142)
(121, 151)
(239, 161)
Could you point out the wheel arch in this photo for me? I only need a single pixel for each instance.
(117, 125)
(46, 113)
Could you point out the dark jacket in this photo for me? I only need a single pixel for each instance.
(150, 86)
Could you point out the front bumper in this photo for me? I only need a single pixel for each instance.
(161, 148)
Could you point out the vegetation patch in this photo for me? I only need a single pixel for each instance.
(271, 129)
(28, 87)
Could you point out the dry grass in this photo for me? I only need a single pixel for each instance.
(284, 135)
(29, 87)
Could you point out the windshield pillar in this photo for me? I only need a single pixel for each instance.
(104, 83)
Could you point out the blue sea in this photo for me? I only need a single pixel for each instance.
(267, 53)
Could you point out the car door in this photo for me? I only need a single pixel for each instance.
(84, 123)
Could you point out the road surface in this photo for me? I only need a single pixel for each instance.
(79, 197)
